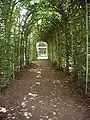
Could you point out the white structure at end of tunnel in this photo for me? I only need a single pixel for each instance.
(42, 52)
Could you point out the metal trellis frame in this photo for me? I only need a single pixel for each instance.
(86, 89)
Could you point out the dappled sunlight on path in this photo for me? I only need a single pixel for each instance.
(42, 93)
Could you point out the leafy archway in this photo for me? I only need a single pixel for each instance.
(61, 24)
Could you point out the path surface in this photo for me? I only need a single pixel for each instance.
(42, 93)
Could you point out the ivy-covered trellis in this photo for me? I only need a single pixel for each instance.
(62, 24)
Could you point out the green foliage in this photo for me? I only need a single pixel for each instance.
(59, 23)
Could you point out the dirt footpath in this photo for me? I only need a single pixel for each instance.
(42, 93)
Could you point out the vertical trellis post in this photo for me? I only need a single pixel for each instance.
(86, 89)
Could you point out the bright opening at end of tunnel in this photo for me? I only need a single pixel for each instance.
(42, 50)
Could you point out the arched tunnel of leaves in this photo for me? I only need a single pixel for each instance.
(61, 24)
